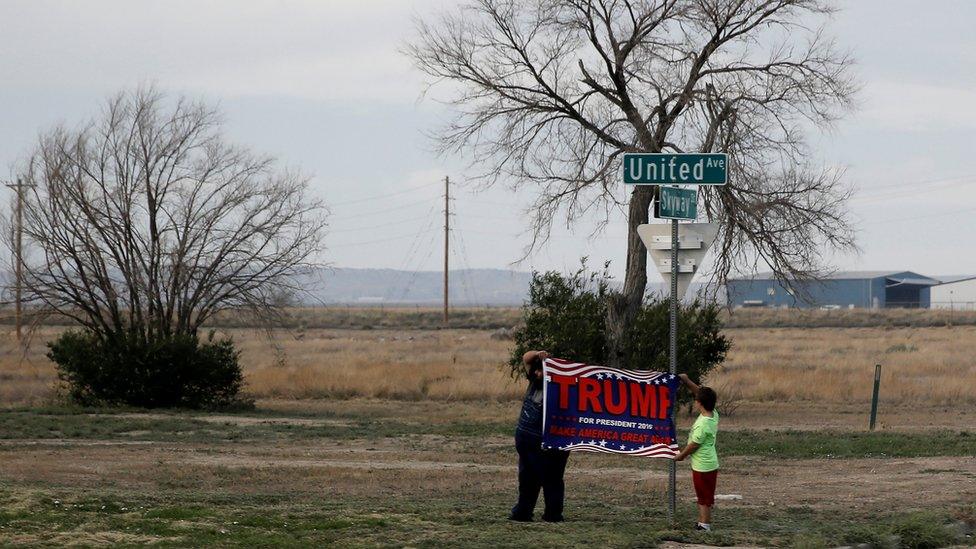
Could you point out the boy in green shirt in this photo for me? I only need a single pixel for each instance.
(701, 448)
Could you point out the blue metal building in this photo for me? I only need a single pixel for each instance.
(851, 289)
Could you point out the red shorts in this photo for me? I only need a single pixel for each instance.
(705, 486)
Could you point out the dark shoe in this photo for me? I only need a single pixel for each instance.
(698, 526)
(515, 518)
(552, 519)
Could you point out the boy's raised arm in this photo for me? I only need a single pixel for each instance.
(691, 385)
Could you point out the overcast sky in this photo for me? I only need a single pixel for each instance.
(320, 85)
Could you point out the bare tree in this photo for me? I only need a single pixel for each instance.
(550, 93)
(145, 223)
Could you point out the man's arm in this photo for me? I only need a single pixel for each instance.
(529, 356)
(691, 385)
(687, 451)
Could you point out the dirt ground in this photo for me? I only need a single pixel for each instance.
(800, 415)
(435, 463)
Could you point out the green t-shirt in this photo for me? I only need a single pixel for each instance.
(703, 433)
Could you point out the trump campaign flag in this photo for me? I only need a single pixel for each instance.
(600, 409)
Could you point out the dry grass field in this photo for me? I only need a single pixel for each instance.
(381, 473)
(927, 365)
(397, 437)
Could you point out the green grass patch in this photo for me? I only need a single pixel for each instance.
(185, 517)
(845, 444)
(922, 531)
(194, 427)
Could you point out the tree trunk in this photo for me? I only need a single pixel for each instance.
(622, 307)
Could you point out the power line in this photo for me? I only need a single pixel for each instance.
(413, 249)
(461, 251)
(390, 224)
(922, 182)
(588, 238)
(909, 193)
(401, 237)
(413, 275)
(384, 195)
(926, 216)
(384, 210)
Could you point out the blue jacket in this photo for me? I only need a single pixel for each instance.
(530, 419)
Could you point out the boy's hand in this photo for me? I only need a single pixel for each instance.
(687, 382)
(678, 457)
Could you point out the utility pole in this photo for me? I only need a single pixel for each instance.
(18, 256)
(447, 233)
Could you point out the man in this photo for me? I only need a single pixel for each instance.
(538, 468)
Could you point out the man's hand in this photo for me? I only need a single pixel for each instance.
(529, 356)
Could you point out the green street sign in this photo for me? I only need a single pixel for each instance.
(675, 169)
(676, 203)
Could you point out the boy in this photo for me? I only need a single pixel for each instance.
(701, 448)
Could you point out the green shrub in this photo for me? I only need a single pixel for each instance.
(701, 345)
(876, 536)
(923, 531)
(566, 315)
(177, 371)
(809, 541)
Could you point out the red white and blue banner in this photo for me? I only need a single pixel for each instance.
(600, 409)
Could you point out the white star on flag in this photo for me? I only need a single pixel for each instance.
(603, 443)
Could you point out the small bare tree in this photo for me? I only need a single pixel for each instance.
(144, 223)
(550, 93)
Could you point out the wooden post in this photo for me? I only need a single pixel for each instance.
(18, 256)
(874, 397)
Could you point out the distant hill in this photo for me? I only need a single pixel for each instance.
(493, 287)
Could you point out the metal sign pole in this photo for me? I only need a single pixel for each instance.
(674, 357)
(674, 203)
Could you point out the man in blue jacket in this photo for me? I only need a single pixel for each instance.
(537, 468)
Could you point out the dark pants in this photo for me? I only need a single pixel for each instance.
(539, 469)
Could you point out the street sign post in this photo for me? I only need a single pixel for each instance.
(674, 204)
(694, 241)
(675, 169)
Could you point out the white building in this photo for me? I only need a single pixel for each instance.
(958, 295)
